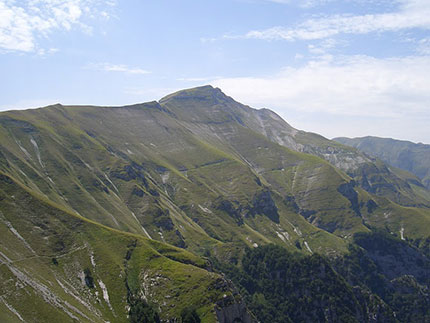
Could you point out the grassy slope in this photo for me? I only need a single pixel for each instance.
(313, 183)
(195, 148)
(147, 136)
(195, 171)
(38, 288)
(371, 174)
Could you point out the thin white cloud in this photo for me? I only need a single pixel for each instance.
(205, 40)
(324, 46)
(121, 68)
(424, 46)
(354, 86)
(301, 3)
(23, 23)
(46, 52)
(410, 14)
(124, 69)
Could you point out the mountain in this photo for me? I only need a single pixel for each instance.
(406, 155)
(120, 213)
(57, 266)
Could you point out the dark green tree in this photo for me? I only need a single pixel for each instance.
(189, 315)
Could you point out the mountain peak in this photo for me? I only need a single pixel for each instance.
(206, 92)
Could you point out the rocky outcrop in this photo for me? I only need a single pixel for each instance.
(163, 220)
(347, 190)
(229, 208)
(229, 311)
(137, 191)
(130, 172)
(371, 206)
(263, 203)
(374, 309)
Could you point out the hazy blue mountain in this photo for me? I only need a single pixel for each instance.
(414, 158)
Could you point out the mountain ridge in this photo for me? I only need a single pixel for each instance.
(221, 115)
(407, 155)
(199, 171)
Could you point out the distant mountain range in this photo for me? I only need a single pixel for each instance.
(187, 208)
(414, 158)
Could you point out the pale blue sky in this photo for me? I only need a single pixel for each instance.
(339, 68)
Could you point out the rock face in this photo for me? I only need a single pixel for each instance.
(262, 203)
(231, 209)
(347, 190)
(228, 312)
(361, 163)
(376, 310)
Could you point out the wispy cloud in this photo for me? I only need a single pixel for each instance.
(354, 86)
(121, 68)
(424, 46)
(301, 3)
(324, 46)
(409, 14)
(46, 52)
(22, 23)
(124, 69)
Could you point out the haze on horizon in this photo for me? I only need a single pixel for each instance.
(338, 68)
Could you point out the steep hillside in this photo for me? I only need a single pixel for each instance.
(56, 266)
(99, 204)
(369, 173)
(199, 169)
(414, 158)
(208, 113)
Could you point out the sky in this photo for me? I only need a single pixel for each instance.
(338, 68)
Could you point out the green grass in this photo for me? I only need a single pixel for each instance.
(186, 278)
(172, 166)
